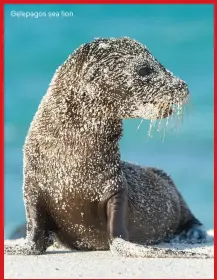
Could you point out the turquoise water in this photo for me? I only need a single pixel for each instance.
(179, 36)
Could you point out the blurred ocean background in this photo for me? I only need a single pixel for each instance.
(179, 36)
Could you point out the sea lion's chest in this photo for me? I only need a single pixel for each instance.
(66, 171)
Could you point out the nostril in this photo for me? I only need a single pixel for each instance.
(184, 86)
(187, 90)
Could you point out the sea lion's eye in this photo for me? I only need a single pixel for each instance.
(145, 71)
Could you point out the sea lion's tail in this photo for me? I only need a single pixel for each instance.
(128, 249)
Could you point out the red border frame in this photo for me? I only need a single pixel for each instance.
(111, 2)
(84, 2)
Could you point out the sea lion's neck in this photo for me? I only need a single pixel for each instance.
(71, 116)
(99, 128)
(77, 129)
(101, 135)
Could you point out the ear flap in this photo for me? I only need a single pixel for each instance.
(93, 52)
(91, 69)
(82, 56)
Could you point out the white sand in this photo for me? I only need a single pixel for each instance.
(62, 263)
(104, 265)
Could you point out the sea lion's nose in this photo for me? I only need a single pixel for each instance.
(184, 86)
(187, 91)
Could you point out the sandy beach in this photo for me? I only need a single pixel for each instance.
(103, 265)
(62, 263)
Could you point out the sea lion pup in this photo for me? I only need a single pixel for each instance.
(75, 184)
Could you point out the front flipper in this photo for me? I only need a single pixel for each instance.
(39, 235)
(24, 248)
(116, 215)
(124, 248)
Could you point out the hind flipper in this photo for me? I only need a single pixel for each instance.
(192, 232)
(193, 235)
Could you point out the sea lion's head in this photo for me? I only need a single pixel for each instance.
(120, 78)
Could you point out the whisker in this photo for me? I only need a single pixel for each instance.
(179, 116)
(151, 125)
(189, 108)
(138, 127)
(171, 122)
(161, 118)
